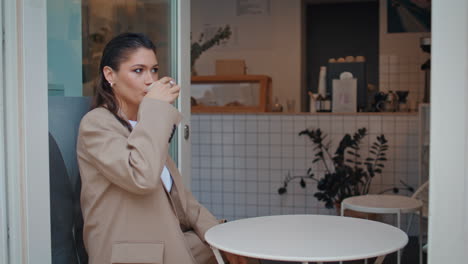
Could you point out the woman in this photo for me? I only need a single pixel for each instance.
(135, 206)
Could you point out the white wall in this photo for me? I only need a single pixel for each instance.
(400, 60)
(270, 44)
(448, 201)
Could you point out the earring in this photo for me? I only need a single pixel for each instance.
(111, 84)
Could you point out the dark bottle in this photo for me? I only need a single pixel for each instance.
(319, 103)
(326, 104)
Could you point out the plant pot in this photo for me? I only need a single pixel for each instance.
(355, 214)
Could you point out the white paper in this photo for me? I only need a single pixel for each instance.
(344, 96)
(253, 7)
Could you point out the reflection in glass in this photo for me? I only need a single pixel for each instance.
(104, 19)
(64, 48)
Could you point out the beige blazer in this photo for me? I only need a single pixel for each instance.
(128, 215)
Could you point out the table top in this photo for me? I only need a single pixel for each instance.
(381, 203)
(306, 238)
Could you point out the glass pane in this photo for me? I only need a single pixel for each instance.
(77, 33)
(78, 30)
(64, 48)
(103, 19)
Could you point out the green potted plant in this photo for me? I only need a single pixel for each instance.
(200, 46)
(350, 174)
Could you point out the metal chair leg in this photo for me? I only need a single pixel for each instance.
(420, 236)
(408, 228)
(399, 226)
(379, 260)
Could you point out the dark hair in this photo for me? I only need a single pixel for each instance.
(115, 53)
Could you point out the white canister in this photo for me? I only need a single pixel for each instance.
(312, 102)
(322, 84)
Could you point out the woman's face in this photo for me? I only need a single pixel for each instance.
(134, 75)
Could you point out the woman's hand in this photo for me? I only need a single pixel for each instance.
(235, 259)
(165, 89)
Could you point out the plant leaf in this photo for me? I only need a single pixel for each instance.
(302, 183)
(282, 190)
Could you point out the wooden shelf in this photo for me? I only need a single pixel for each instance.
(264, 93)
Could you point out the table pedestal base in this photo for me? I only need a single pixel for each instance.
(218, 256)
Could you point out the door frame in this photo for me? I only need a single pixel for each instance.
(448, 172)
(3, 200)
(183, 78)
(25, 131)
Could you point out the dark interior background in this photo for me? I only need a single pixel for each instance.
(338, 30)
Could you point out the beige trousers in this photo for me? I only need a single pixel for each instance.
(200, 251)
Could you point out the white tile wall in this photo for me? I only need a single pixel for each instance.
(240, 161)
(399, 73)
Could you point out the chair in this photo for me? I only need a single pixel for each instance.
(422, 194)
(61, 204)
(65, 114)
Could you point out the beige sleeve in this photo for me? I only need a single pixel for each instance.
(200, 218)
(135, 162)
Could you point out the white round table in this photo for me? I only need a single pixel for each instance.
(386, 204)
(306, 238)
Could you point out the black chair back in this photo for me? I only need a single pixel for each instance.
(65, 114)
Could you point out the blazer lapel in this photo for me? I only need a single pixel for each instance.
(176, 177)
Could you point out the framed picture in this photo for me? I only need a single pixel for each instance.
(408, 16)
